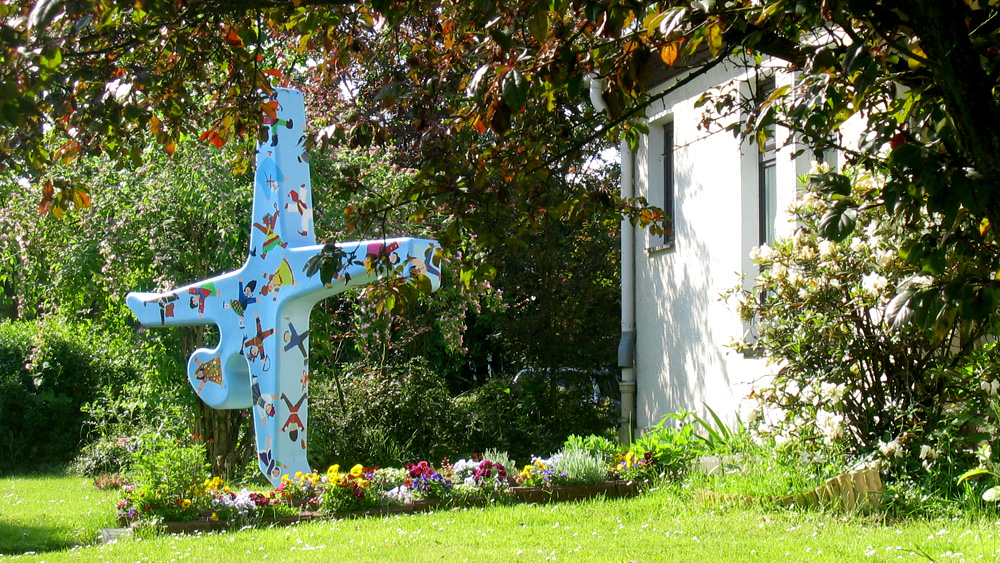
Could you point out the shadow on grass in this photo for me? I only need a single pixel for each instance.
(18, 538)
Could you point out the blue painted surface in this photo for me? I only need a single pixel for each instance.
(262, 309)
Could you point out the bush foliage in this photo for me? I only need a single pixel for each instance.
(49, 369)
(860, 375)
(390, 414)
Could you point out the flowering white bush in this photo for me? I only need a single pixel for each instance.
(855, 377)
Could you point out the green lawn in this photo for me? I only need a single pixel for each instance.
(49, 515)
(47, 512)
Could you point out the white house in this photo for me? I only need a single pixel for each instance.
(723, 197)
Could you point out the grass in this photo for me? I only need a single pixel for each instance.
(51, 514)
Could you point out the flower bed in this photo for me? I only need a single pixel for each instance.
(365, 491)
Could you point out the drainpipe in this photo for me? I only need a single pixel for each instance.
(596, 87)
(626, 347)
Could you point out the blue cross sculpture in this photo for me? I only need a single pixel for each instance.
(262, 309)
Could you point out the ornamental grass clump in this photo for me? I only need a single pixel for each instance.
(580, 467)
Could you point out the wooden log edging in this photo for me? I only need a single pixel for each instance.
(855, 491)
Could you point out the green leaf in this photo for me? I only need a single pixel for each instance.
(899, 311)
(574, 86)
(477, 79)
(501, 38)
(515, 90)
(465, 275)
(670, 24)
(838, 223)
(832, 184)
(539, 25)
(935, 262)
(51, 57)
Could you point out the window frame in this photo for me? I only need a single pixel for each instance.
(666, 189)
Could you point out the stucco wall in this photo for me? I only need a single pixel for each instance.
(682, 326)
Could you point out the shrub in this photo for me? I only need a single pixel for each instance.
(166, 476)
(668, 451)
(48, 370)
(600, 446)
(877, 361)
(532, 417)
(384, 415)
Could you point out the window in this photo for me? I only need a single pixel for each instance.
(665, 195)
(767, 177)
(759, 192)
(668, 183)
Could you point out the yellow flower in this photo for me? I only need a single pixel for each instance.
(215, 517)
(362, 483)
(186, 503)
(285, 477)
(357, 470)
(213, 484)
(298, 475)
(629, 459)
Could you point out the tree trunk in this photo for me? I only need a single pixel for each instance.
(225, 433)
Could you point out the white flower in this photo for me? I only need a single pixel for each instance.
(401, 494)
(762, 253)
(799, 239)
(779, 271)
(810, 395)
(819, 167)
(830, 425)
(874, 283)
(827, 248)
(807, 203)
(832, 392)
(891, 449)
(990, 387)
(883, 258)
(464, 468)
(857, 244)
(751, 411)
(927, 452)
